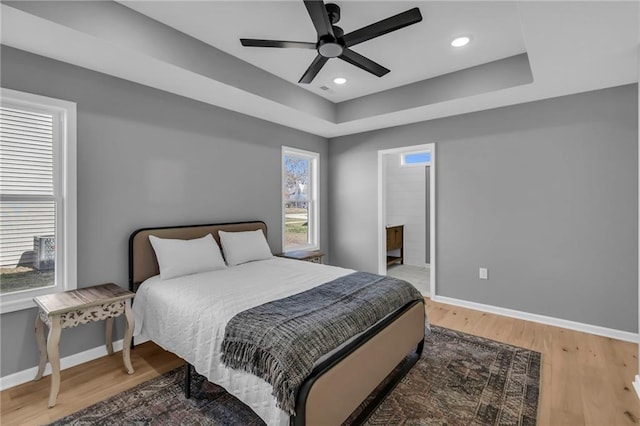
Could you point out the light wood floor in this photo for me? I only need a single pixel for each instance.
(586, 379)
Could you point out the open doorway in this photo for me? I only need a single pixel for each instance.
(406, 215)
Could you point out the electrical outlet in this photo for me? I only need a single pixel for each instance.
(484, 273)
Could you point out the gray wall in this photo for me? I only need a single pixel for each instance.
(148, 158)
(544, 194)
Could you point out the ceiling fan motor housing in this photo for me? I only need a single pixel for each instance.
(331, 47)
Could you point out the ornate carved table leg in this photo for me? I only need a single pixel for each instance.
(128, 334)
(54, 358)
(110, 335)
(42, 346)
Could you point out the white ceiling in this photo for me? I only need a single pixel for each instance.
(571, 46)
(414, 53)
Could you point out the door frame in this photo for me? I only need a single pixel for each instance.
(382, 212)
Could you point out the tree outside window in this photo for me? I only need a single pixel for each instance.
(299, 198)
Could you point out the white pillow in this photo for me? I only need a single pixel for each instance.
(177, 258)
(243, 247)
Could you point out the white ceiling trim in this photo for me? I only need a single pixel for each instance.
(27, 32)
(572, 47)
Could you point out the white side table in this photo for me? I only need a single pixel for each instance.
(70, 308)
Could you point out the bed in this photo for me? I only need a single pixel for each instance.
(190, 324)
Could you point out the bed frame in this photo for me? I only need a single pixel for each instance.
(336, 387)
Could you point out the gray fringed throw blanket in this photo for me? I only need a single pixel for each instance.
(281, 340)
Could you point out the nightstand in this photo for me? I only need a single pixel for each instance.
(314, 256)
(70, 308)
(395, 241)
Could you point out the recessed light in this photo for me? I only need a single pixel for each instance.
(339, 80)
(460, 41)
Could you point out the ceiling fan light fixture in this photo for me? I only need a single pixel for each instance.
(460, 41)
(330, 49)
(339, 80)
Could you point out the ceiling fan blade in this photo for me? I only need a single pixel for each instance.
(313, 69)
(360, 61)
(385, 26)
(318, 13)
(250, 42)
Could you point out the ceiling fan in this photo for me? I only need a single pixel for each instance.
(334, 43)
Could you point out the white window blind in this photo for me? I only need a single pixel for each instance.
(26, 173)
(26, 152)
(37, 197)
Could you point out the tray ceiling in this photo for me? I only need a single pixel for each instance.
(415, 53)
(521, 51)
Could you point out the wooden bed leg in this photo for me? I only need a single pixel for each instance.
(187, 380)
(420, 348)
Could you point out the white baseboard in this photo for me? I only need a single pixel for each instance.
(558, 322)
(27, 375)
(636, 385)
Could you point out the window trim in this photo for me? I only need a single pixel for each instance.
(64, 194)
(314, 197)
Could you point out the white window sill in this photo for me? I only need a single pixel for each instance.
(301, 248)
(20, 300)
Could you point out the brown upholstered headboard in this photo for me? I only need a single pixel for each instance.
(142, 259)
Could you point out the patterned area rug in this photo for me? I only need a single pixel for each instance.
(460, 380)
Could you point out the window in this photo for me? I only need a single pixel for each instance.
(421, 158)
(299, 199)
(37, 197)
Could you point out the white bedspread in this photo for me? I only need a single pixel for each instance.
(188, 315)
